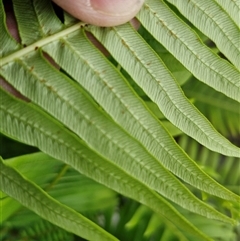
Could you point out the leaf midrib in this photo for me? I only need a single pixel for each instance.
(41, 43)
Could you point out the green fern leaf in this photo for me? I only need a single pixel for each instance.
(87, 130)
(94, 128)
(118, 141)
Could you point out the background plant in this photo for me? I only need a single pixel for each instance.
(114, 120)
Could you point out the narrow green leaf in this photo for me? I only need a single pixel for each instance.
(215, 23)
(147, 69)
(179, 39)
(46, 16)
(34, 198)
(28, 124)
(180, 73)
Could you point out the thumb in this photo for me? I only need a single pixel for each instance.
(102, 12)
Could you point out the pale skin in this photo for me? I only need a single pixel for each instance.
(102, 12)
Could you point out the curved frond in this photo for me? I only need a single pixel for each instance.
(114, 124)
(94, 128)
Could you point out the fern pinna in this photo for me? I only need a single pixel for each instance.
(112, 117)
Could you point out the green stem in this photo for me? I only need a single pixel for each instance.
(57, 178)
(40, 43)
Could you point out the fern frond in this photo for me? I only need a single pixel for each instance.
(88, 116)
(91, 125)
(108, 89)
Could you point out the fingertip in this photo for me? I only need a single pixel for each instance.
(103, 13)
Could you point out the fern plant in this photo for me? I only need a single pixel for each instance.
(113, 119)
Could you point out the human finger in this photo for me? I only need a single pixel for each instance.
(102, 12)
